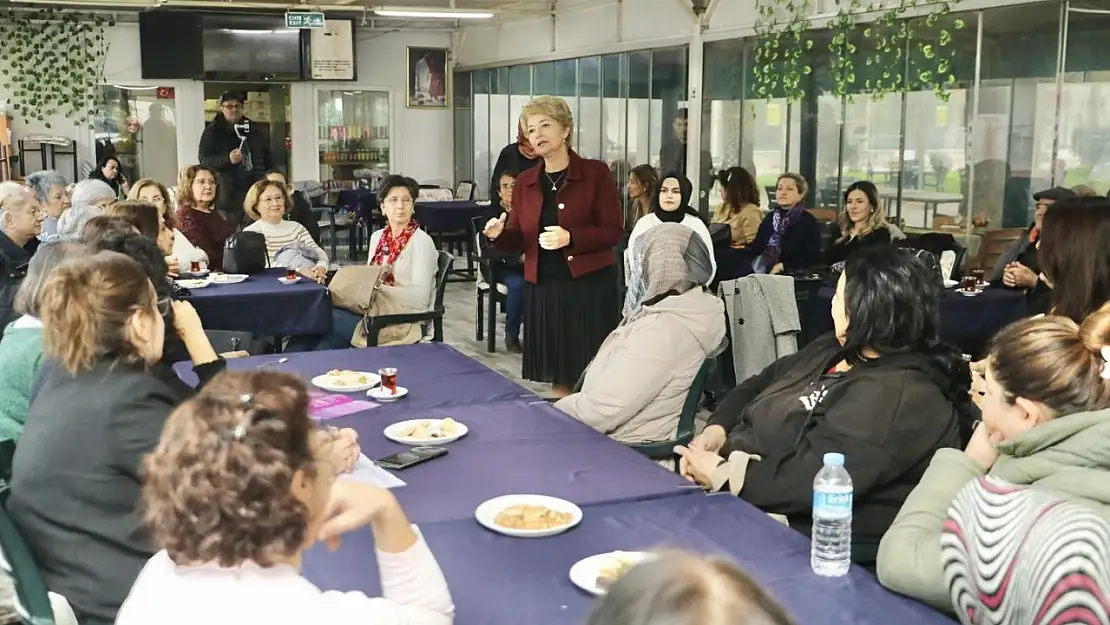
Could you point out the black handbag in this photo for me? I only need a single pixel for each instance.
(245, 252)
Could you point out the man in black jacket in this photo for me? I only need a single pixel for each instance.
(235, 149)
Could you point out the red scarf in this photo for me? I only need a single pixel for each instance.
(390, 247)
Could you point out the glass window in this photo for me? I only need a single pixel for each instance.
(588, 132)
(520, 90)
(1083, 157)
(543, 76)
(353, 135)
(668, 136)
(614, 118)
(639, 107)
(502, 124)
(483, 159)
(139, 126)
(464, 128)
(723, 122)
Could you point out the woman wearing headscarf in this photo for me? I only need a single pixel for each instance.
(671, 204)
(671, 325)
(518, 156)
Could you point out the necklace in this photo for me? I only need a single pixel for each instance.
(555, 183)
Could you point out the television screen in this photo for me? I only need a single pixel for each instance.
(252, 47)
(170, 45)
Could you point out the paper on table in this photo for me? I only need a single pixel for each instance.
(323, 407)
(947, 264)
(367, 472)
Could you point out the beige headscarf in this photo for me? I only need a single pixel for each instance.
(669, 259)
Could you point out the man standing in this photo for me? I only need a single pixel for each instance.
(235, 149)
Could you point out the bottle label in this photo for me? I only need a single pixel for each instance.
(832, 503)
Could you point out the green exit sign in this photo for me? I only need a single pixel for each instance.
(304, 19)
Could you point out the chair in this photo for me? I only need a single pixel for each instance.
(665, 450)
(230, 341)
(465, 190)
(937, 243)
(482, 286)
(32, 601)
(994, 245)
(805, 294)
(435, 315)
(824, 214)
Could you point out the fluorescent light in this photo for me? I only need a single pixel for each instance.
(446, 14)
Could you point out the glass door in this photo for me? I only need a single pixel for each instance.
(270, 112)
(138, 125)
(353, 132)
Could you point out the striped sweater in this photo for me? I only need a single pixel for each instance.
(1022, 556)
(287, 233)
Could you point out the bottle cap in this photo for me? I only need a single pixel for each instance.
(833, 459)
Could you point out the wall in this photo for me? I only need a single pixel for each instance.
(587, 27)
(421, 139)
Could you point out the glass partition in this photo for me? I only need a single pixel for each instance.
(353, 134)
(138, 125)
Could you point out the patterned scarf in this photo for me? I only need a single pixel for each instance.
(1013, 555)
(781, 221)
(667, 259)
(390, 247)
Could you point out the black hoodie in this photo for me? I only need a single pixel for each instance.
(887, 416)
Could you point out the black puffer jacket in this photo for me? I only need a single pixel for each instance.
(13, 268)
(887, 417)
(216, 144)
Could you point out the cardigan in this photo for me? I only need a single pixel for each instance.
(208, 231)
(20, 360)
(414, 273)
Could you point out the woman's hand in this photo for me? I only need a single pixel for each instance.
(554, 238)
(343, 448)
(711, 439)
(173, 266)
(697, 465)
(318, 273)
(981, 446)
(777, 269)
(186, 320)
(1018, 275)
(494, 228)
(352, 505)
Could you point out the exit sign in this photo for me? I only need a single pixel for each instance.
(304, 19)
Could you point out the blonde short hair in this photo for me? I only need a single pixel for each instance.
(550, 106)
(254, 195)
(799, 181)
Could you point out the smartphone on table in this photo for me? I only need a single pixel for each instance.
(410, 458)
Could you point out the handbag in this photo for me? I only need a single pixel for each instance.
(245, 252)
(353, 288)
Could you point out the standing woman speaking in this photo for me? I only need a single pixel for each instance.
(566, 219)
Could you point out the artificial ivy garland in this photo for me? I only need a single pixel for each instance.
(52, 62)
(783, 52)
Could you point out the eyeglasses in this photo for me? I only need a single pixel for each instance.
(508, 185)
(397, 202)
(205, 182)
(232, 107)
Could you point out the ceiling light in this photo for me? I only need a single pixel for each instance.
(446, 14)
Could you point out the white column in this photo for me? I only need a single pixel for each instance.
(694, 166)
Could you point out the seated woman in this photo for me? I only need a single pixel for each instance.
(789, 239)
(88, 199)
(238, 488)
(1046, 418)
(148, 220)
(883, 390)
(300, 209)
(671, 325)
(410, 258)
(49, 188)
(153, 192)
(288, 243)
(740, 197)
(672, 205)
(509, 268)
(860, 223)
(197, 217)
(21, 349)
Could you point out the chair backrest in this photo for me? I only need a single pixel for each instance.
(693, 403)
(995, 243)
(231, 341)
(32, 602)
(465, 190)
(443, 269)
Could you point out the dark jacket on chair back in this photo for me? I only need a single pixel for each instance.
(887, 417)
(590, 209)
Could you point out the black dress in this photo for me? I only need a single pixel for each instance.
(565, 318)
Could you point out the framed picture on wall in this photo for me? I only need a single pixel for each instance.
(428, 85)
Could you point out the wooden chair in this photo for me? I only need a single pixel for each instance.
(995, 243)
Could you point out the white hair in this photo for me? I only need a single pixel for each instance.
(41, 182)
(91, 191)
(14, 195)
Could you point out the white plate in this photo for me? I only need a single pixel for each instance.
(285, 280)
(380, 394)
(196, 274)
(488, 511)
(193, 284)
(982, 285)
(950, 283)
(344, 383)
(584, 573)
(227, 278)
(975, 293)
(396, 431)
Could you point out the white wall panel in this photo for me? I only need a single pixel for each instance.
(583, 28)
(526, 38)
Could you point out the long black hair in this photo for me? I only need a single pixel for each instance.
(892, 300)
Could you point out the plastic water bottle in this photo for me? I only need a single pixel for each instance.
(831, 550)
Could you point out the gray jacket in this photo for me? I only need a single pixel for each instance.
(763, 319)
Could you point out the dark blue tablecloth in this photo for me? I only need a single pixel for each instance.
(497, 580)
(450, 216)
(264, 306)
(968, 322)
(436, 375)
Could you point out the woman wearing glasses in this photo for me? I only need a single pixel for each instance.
(153, 192)
(410, 258)
(197, 218)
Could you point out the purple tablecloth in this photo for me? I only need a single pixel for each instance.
(450, 216)
(497, 580)
(435, 374)
(264, 306)
(513, 447)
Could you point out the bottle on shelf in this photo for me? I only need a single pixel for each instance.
(831, 547)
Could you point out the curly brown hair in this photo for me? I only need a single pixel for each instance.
(218, 486)
(185, 184)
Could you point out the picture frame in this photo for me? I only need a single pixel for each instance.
(428, 85)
